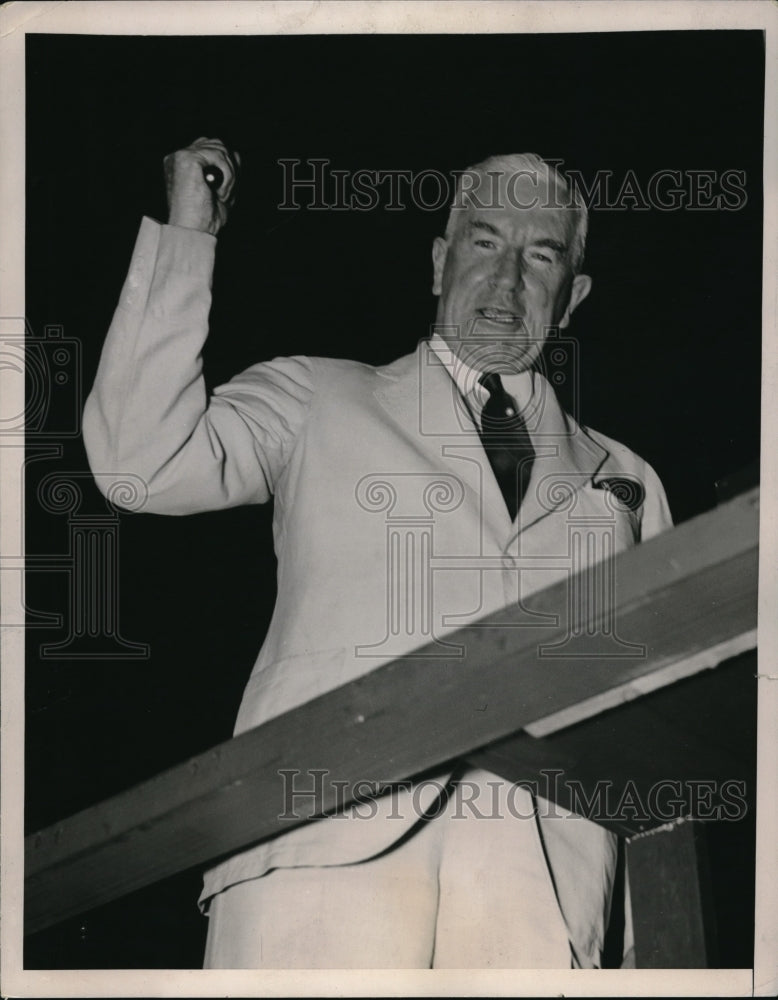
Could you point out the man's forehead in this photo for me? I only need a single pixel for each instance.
(531, 219)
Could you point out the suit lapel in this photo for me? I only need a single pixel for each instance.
(566, 458)
(419, 395)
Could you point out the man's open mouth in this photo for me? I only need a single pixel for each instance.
(495, 315)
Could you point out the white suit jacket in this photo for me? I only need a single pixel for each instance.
(375, 472)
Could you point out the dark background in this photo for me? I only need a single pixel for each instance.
(669, 339)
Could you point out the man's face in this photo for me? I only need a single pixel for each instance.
(504, 277)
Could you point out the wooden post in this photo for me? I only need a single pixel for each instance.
(669, 885)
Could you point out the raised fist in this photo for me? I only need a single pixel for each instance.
(192, 202)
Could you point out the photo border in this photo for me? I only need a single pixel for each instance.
(292, 18)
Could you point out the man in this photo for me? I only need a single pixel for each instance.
(462, 437)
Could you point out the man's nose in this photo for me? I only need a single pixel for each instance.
(508, 271)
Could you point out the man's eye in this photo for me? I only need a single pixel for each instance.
(544, 257)
(489, 244)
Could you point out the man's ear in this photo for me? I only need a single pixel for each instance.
(439, 252)
(580, 288)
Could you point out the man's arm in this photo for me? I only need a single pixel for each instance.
(148, 413)
(656, 515)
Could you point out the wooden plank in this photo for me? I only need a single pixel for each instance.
(687, 750)
(669, 886)
(679, 593)
(673, 670)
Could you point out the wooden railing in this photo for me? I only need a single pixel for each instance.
(689, 596)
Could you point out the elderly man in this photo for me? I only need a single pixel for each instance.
(465, 431)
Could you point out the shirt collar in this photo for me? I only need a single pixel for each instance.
(520, 385)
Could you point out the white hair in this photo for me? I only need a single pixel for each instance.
(522, 164)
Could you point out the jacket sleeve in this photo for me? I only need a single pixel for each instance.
(148, 415)
(656, 515)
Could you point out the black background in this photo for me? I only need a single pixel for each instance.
(669, 339)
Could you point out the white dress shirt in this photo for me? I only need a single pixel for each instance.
(520, 385)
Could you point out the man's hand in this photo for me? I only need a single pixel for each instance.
(192, 203)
